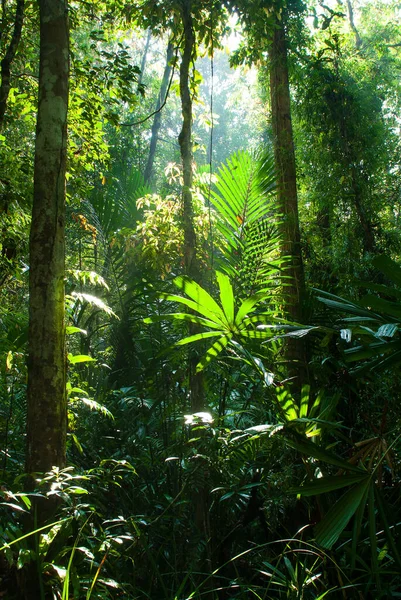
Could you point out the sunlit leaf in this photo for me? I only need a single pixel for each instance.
(226, 296)
(80, 358)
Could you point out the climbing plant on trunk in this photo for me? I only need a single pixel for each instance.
(185, 141)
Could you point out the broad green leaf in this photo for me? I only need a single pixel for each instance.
(255, 335)
(379, 287)
(94, 301)
(96, 406)
(274, 570)
(226, 296)
(15, 507)
(213, 351)
(75, 390)
(334, 522)
(287, 404)
(361, 352)
(303, 408)
(328, 484)
(248, 305)
(357, 528)
(314, 451)
(183, 317)
(380, 363)
(80, 358)
(198, 336)
(344, 305)
(390, 268)
(77, 490)
(361, 320)
(388, 330)
(384, 307)
(200, 308)
(200, 296)
(70, 329)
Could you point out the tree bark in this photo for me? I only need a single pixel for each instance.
(185, 142)
(47, 412)
(184, 139)
(283, 142)
(8, 59)
(369, 242)
(158, 116)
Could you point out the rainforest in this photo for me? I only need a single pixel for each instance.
(200, 299)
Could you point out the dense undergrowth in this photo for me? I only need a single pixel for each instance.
(273, 490)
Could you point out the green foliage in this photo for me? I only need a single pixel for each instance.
(375, 324)
(243, 498)
(223, 322)
(243, 196)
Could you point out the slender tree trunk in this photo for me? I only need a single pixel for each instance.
(283, 142)
(185, 141)
(144, 57)
(158, 116)
(47, 415)
(8, 59)
(358, 41)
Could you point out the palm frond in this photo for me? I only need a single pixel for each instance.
(243, 196)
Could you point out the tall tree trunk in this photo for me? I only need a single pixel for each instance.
(196, 382)
(185, 141)
(5, 84)
(158, 116)
(368, 236)
(283, 142)
(47, 414)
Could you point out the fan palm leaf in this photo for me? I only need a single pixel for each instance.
(221, 320)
